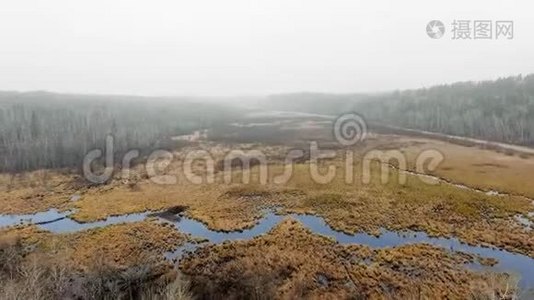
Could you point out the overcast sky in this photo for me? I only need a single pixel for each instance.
(240, 47)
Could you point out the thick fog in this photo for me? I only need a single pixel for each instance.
(244, 47)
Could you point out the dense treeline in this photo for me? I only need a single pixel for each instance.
(45, 130)
(500, 110)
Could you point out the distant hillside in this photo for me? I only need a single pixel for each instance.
(501, 110)
(313, 102)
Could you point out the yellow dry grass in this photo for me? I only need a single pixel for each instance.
(475, 167)
(290, 262)
(35, 191)
(119, 246)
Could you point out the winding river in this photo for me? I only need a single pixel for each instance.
(59, 222)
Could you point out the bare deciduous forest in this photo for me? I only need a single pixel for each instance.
(46, 130)
(501, 110)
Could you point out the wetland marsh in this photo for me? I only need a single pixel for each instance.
(479, 228)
